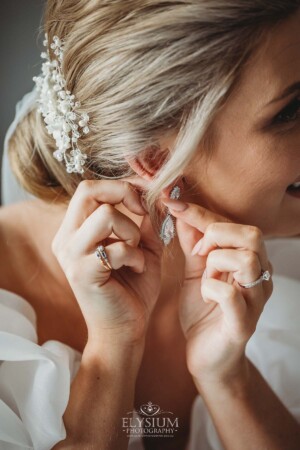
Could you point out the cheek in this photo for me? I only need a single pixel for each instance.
(264, 161)
(280, 159)
(247, 182)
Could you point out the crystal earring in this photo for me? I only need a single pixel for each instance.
(168, 230)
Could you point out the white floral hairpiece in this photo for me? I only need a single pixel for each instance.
(57, 106)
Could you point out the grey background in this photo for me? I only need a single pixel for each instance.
(19, 55)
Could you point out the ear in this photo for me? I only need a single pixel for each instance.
(148, 162)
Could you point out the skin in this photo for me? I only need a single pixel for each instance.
(246, 146)
(223, 208)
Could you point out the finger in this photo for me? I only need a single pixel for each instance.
(267, 288)
(91, 193)
(226, 235)
(230, 300)
(121, 254)
(244, 266)
(206, 221)
(187, 236)
(271, 268)
(91, 269)
(195, 215)
(104, 221)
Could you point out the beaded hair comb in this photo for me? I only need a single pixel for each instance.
(58, 108)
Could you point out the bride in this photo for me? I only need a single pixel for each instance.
(160, 148)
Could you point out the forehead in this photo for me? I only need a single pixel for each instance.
(273, 66)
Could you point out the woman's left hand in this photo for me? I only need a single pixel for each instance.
(217, 315)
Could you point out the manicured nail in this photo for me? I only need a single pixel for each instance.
(197, 247)
(176, 205)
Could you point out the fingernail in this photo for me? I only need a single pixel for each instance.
(176, 205)
(197, 247)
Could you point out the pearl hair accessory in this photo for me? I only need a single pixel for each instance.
(57, 106)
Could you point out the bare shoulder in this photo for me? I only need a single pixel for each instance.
(25, 227)
(23, 219)
(14, 222)
(11, 219)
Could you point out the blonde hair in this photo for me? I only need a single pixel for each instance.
(142, 70)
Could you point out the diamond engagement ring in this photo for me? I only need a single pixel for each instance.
(265, 276)
(101, 254)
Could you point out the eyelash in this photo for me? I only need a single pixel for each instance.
(289, 113)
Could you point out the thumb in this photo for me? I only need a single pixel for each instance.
(149, 238)
(188, 236)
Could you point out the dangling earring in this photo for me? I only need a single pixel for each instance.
(168, 230)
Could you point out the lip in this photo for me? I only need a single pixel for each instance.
(295, 181)
(294, 192)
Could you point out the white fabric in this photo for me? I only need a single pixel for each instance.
(35, 379)
(11, 190)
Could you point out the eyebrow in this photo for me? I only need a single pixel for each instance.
(288, 91)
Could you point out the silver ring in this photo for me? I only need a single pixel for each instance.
(102, 256)
(265, 276)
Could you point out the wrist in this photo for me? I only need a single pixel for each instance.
(117, 334)
(236, 380)
(112, 351)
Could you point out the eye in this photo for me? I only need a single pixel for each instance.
(289, 113)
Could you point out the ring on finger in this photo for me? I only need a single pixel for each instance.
(265, 276)
(102, 256)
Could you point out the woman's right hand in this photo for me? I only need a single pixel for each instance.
(117, 302)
